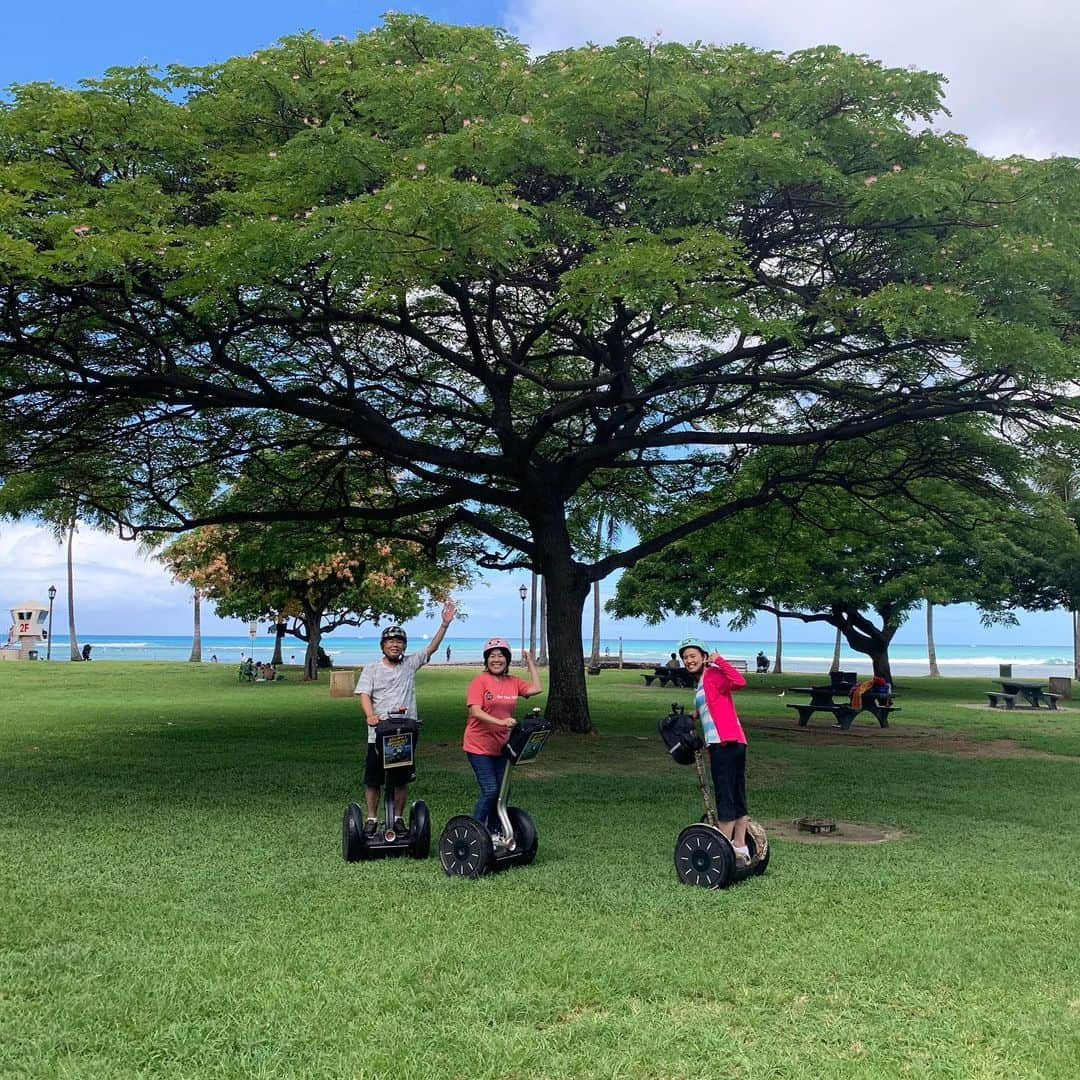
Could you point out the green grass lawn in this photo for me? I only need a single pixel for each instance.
(173, 902)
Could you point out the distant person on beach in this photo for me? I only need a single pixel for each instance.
(448, 654)
(214, 659)
(762, 664)
(673, 662)
(388, 686)
(724, 735)
(86, 651)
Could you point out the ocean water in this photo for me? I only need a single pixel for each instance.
(1027, 660)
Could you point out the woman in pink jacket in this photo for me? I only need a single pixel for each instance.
(714, 707)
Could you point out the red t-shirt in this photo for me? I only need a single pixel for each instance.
(496, 695)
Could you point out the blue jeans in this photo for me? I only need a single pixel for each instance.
(489, 771)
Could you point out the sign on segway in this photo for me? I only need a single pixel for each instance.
(397, 750)
(703, 853)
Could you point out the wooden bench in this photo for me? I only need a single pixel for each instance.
(1050, 699)
(1009, 700)
(740, 665)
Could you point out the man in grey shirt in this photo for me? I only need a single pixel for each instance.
(389, 686)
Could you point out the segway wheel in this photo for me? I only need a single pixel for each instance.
(419, 831)
(353, 841)
(465, 848)
(704, 857)
(525, 839)
(760, 848)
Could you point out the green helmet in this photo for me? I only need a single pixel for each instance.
(694, 642)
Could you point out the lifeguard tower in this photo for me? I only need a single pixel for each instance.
(28, 632)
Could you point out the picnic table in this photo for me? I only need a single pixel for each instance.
(1033, 693)
(677, 676)
(822, 699)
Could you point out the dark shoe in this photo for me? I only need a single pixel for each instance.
(370, 826)
(399, 826)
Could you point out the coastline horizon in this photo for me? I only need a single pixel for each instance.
(906, 659)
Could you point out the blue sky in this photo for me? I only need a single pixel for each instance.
(1013, 82)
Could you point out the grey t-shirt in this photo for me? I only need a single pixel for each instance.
(391, 686)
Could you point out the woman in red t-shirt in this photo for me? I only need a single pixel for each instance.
(491, 699)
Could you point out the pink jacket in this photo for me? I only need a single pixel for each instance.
(717, 682)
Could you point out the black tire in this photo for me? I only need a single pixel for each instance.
(465, 848)
(759, 868)
(525, 839)
(704, 857)
(419, 831)
(353, 841)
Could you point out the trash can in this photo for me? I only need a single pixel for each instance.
(1004, 671)
(1061, 686)
(31, 654)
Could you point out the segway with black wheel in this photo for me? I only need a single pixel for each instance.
(467, 847)
(704, 856)
(396, 738)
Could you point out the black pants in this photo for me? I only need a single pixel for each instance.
(728, 764)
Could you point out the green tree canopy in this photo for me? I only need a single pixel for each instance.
(503, 275)
(860, 560)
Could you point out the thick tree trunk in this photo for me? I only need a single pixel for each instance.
(567, 588)
(1076, 643)
(863, 636)
(279, 637)
(836, 652)
(542, 659)
(568, 702)
(879, 657)
(196, 630)
(76, 653)
(778, 660)
(313, 625)
(931, 652)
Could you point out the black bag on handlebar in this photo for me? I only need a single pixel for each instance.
(680, 737)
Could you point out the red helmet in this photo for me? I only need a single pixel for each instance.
(497, 643)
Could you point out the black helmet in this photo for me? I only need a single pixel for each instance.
(395, 633)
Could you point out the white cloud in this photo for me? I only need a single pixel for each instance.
(118, 588)
(1012, 71)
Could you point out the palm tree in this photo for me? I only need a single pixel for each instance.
(196, 634)
(778, 666)
(606, 529)
(533, 603)
(835, 666)
(542, 659)
(68, 528)
(931, 652)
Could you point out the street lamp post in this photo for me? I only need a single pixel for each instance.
(253, 629)
(52, 597)
(523, 591)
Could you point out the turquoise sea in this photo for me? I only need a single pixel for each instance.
(1027, 660)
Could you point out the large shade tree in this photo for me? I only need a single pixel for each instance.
(860, 561)
(306, 578)
(504, 275)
